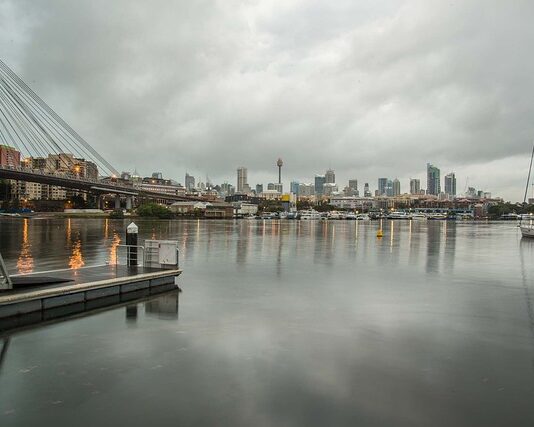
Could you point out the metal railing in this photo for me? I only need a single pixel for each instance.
(5, 280)
(128, 253)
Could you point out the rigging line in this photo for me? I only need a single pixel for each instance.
(55, 115)
(19, 115)
(56, 129)
(45, 133)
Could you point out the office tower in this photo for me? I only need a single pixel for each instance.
(189, 182)
(415, 186)
(432, 180)
(366, 190)
(242, 183)
(279, 163)
(259, 188)
(353, 184)
(330, 177)
(157, 175)
(396, 187)
(294, 187)
(320, 181)
(450, 184)
(382, 183)
(389, 188)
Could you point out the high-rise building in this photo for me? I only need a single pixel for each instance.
(330, 177)
(189, 182)
(450, 184)
(415, 186)
(259, 188)
(353, 184)
(366, 190)
(320, 181)
(389, 188)
(382, 183)
(157, 175)
(432, 180)
(294, 187)
(242, 183)
(396, 187)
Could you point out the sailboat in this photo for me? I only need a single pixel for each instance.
(527, 230)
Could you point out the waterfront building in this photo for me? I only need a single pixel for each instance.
(242, 182)
(396, 187)
(189, 182)
(361, 204)
(320, 181)
(382, 184)
(9, 156)
(330, 177)
(433, 185)
(450, 184)
(160, 185)
(415, 186)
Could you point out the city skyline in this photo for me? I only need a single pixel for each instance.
(349, 87)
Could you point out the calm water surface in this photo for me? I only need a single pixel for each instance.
(284, 324)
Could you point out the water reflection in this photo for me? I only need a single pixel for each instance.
(25, 259)
(163, 307)
(114, 247)
(76, 259)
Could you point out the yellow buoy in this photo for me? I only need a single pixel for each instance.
(379, 233)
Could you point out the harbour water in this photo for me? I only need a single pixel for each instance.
(284, 323)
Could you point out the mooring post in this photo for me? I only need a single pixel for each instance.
(131, 240)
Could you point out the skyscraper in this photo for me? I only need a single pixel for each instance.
(432, 180)
(330, 177)
(450, 184)
(320, 181)
(389, 188)
(415, 186)
(366, 190)
(396, 187)
(382, 183)
(294, 187)
(189, 182)
(353, 185)
(259, 188)
(242, 183)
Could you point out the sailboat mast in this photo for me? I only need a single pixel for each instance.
(528, 178)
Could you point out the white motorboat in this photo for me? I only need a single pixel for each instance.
(399, 215)
(309, 214)
(363, 217)
(418, 215)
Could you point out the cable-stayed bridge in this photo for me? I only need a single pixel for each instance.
(50, 151)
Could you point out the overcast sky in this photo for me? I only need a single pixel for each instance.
(368, 88)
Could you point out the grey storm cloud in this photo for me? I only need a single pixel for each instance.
(368, 88)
